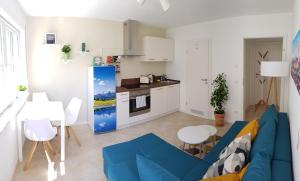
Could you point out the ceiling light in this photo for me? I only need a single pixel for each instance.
(141, 2)
(165, 4)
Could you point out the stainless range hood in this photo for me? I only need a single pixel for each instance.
(132, 47)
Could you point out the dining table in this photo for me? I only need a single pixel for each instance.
(52, 110)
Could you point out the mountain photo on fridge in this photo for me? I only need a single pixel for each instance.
(104, 99)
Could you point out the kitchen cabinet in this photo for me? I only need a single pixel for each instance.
(158, 101)
(165, 99)
(158, 49)
(173, 97)
(122, 109)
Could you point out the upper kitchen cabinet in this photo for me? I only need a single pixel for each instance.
(158, 49)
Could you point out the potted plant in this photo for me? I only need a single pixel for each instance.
(21, 91)
(219, 97)
(66, 49)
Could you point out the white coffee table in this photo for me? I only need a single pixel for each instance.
(195, 135)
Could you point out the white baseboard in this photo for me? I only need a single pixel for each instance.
(146, 119)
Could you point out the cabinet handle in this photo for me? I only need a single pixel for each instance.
(151, 59)
(124, 100)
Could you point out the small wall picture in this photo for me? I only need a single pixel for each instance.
(295, 67)
(50, 38)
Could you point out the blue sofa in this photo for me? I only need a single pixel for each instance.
(270, 157)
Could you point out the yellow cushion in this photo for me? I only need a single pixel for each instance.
(252, 128)
(243, 171)
(229, 177)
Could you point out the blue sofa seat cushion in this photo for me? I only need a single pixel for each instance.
(265, 140)
(153, 148)
(172, 159)
(120, 171)
(213, 155)
(281, 170)
(127, 151)
(259, 168)
(149, 171)
(282, 149)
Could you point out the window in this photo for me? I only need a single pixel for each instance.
(12, 66)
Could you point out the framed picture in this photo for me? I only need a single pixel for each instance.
(295, 67)
(50, 38)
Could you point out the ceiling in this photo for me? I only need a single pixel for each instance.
(181, 12)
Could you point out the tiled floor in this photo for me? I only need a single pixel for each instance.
(85, 162)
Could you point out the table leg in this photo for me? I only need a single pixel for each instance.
(183, 147)
(20, 140)
(62, 140)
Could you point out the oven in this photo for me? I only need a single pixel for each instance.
(139, 102)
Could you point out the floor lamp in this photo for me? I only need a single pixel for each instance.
(274, 69)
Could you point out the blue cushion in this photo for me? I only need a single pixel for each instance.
(282, 149)
(213, 155)
(173, 159)
(259, 168)
(270, 114)
(126, 151)
(149, 171)
(197, 172)
(281, 170)
(264, 141)
(120, 171)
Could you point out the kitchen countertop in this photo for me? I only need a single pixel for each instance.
(149, 86)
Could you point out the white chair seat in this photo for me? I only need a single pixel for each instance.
(39, 130)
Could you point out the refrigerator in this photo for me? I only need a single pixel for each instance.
(102, 99)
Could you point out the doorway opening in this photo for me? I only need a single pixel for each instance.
(257, 94)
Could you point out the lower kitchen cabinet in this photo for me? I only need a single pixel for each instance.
(173, 97)
(158, 101)
(165, 99)
(122, 109)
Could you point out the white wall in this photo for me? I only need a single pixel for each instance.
(294, 104)
(227, 50)
(63, 81)
(8, 137)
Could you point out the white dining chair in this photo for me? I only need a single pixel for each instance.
(71, 114)
(39, 97)
(39, 130)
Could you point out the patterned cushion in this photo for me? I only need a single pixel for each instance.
(229, 177)
(232, 159)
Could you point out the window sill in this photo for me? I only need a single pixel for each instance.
(13, 109)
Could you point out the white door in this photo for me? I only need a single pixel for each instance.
(198, 77)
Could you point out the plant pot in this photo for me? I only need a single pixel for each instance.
(219, 120)
(66, 56)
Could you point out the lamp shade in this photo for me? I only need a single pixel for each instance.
(274, 68)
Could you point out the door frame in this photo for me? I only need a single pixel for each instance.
(284, 83)
(209, 41)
